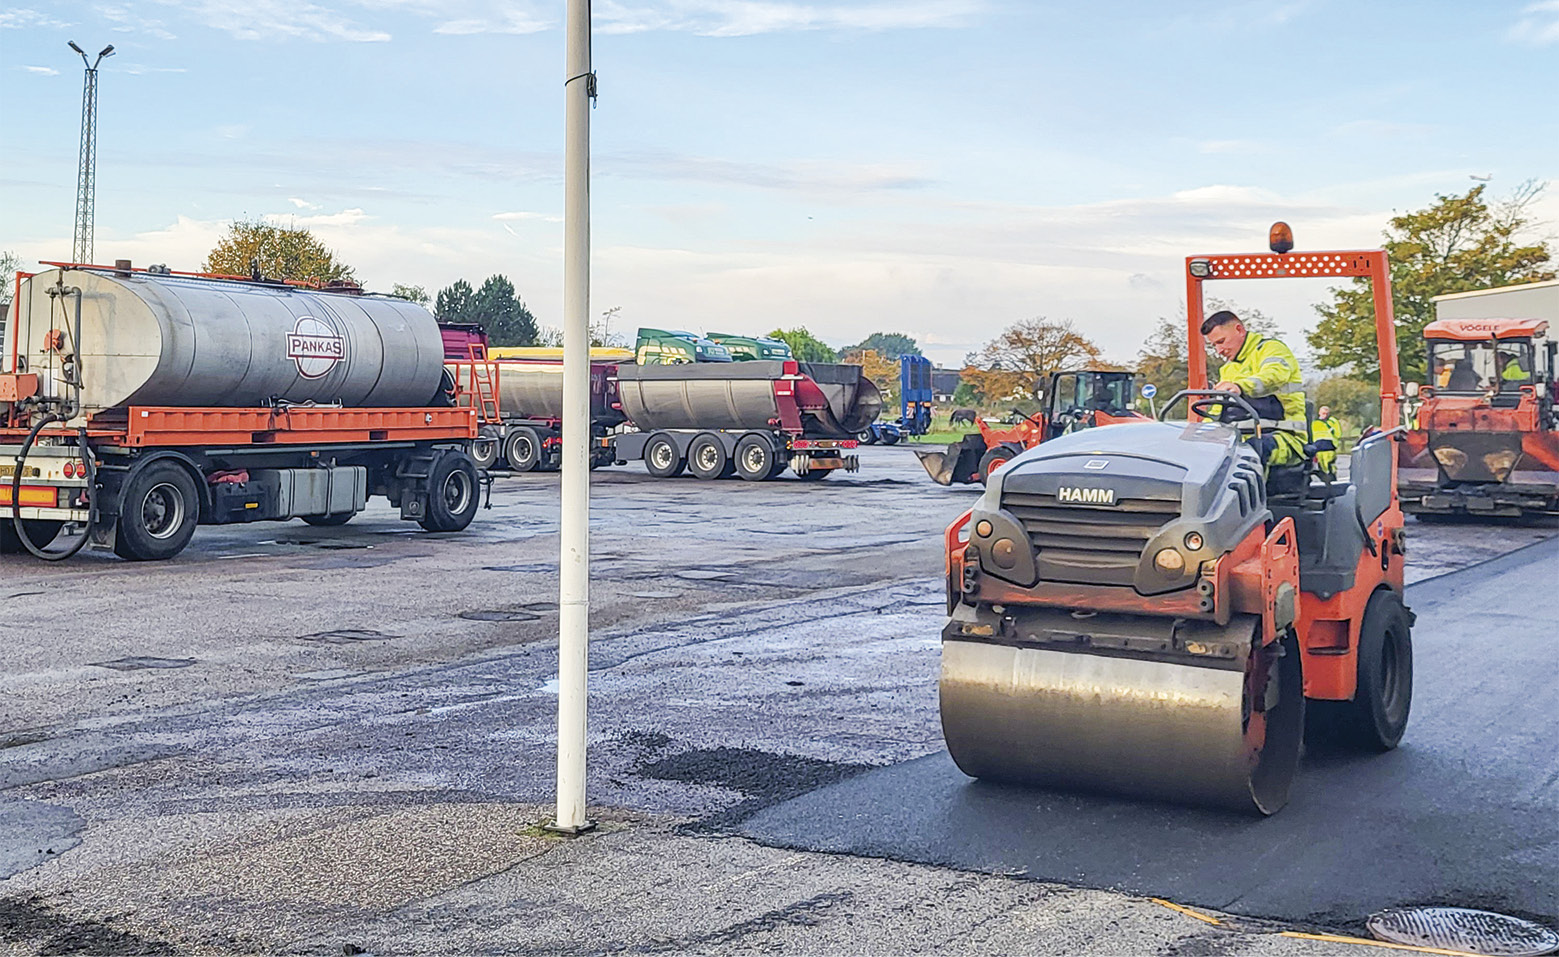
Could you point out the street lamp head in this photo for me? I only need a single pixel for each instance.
(76, 48)
(107, 51)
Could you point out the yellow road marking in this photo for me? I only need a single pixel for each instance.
(1324, 938)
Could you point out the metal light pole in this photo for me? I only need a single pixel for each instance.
(86, 177)
(574, 560)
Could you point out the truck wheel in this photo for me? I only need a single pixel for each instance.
(755, 457)
(485, 454)
(523, 449)
(39, 531)
(866, 437)
(706, 457)
(1377, 716)
(452, 494)
(329, 521)
(781, 463)
(813, 475)
(661, 457)
(157, 513)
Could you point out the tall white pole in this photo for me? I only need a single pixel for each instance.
(574, 563)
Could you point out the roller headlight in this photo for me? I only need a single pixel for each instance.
(1169, 561)
(982, 528)
(1193, 541)
(1005, 552)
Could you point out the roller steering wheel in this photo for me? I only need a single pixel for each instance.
(1202, 401)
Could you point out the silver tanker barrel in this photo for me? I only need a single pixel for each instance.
(837, 400)
(533, 389)
(155, 339)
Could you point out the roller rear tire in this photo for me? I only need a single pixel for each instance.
(1376, 718)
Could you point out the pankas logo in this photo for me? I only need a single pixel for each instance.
(315, 346)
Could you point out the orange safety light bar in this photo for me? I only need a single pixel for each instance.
(1365, 263)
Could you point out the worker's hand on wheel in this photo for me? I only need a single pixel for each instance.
(1229, 387)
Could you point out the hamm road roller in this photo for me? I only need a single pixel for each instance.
(1143, 609)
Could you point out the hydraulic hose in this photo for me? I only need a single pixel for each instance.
(16, 492)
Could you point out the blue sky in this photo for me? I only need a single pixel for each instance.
(938, 168)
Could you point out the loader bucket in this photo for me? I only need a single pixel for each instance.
(959, 463)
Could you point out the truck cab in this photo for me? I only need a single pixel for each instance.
(668, 347)
(750, 348)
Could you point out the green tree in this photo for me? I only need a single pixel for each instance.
(1459, 243)
(495, 307)
(276, 253)
(415, 294)
(1355, 401)
(889, 345)
(805, 346)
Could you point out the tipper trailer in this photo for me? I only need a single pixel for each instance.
(753, 419)
(139, 403)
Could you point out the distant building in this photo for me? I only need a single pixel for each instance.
(944, 382)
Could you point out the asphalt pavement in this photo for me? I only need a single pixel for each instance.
(295, 740)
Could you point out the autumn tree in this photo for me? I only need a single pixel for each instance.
(889, 345)
(805, 346)
(1015, 362)
(258, 248)
(883, 371)
(1459, 243)
(1162, 359)
(495, 307)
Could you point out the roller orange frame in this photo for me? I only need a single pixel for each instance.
(1328, 629)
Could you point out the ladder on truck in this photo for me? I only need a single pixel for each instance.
(483, 383)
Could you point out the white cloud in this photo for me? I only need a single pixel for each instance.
(543, 217)
(277, 20)
(127, 21)
(803, 175)
(347, 217)
(511, 20)
(19, 19)
(137, 69)
(1539, 24)
(732, 18)
(302, 203)
(41, 70)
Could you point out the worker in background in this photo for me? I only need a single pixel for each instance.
(1326, 426)
(1510, 371)
(1265, 372)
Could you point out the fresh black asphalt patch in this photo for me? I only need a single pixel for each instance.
(1464, 813)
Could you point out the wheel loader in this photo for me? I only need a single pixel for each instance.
(1144, 609)
(1070, 401)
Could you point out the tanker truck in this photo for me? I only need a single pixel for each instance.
(753, 419)
(139, 403)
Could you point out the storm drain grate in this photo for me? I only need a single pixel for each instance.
(1463, 929)
(137, 663)
(346, 636)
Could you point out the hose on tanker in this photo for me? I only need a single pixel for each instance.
(16, 492)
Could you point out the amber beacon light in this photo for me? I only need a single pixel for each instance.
(1280, 239)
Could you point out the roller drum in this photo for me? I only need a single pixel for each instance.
(1124, 724)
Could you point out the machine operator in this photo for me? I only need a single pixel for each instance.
(1265, 372)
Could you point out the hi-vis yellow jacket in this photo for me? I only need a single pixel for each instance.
(1267, 367)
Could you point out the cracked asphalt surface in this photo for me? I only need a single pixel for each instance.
(291, 740)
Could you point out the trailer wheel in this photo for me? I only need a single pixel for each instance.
(452, 494)
(661, 456)
(485, 454)
(523, 449)
(706, 457)
(866, 437)
(157, 514)
(1377, 716)
(813, 475)
(890, 437)
(40, 532)
(755, 458)
(329, 521)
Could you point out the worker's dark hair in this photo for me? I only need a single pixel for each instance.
(1220, 318)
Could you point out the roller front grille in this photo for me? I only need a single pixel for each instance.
(1098, 545)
